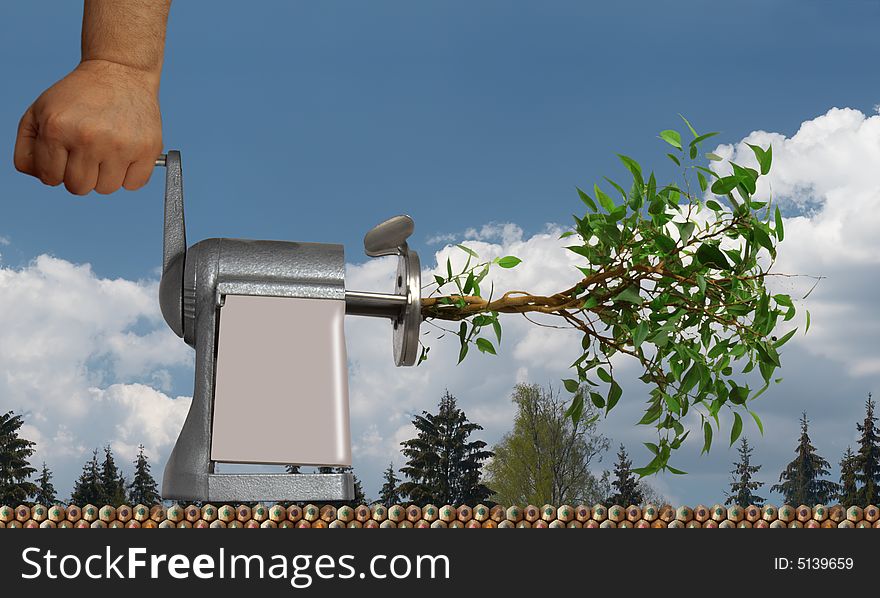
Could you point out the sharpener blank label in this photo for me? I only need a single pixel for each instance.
(281, 390)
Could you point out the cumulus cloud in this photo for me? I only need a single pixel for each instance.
(825, 178)
(77, 355)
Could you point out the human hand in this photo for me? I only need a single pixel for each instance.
(97, 128)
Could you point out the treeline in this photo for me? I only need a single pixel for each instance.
(100, 483)
(805, 481)
(544, 459)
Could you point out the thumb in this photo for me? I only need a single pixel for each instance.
(24, 143)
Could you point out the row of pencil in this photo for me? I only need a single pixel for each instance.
(412, 516)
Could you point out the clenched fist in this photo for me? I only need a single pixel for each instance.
(97, 128)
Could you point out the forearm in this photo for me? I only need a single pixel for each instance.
(126, 32)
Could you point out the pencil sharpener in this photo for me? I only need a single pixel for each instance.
(271, 378)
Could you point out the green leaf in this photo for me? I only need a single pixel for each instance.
(780, 232)
(590, 303)
(467, 250)
(508, 261)
(757, 421)
(605, 201)
(714, 157)
(640, 334)
(651, 415)
(485, 346)
(693, 131)
(702, 137)
(685, 230)
(808, 322)
(672, 403)
(603, 375)
(448, 269)
(671, 469)
(704, 184)
(496, 326)
(571, 385)
(671, 137)
(674, 159)
(710, 255)
(576, 409)
(630, 294)
(614, 394)
(707, 437)
(666, 244)
(633, 167)
(468, 284)
(462, 353)
(701, 283)
(587, 199)
(616, 186)
(765, 157)
(439, 280)
(736, 430)
(725, 185)
(597, 399)
(784, 339)
(713, 205)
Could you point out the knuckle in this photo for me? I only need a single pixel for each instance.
(53, 127)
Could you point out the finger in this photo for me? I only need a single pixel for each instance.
(81, 174)
(111, 174)
(138, 174)
(50, 161)
(23, 157)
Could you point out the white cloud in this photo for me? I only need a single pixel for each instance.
(73, 347)
(825, 177)
(4, 240)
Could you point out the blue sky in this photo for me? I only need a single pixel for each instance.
(314, 121)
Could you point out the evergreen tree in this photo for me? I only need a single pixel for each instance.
(143, 489)
(390, 493)
(325, 469)
(45, 494)
(867, 460)
(443, 466)
(742, 485)
(625, 482)
(14, 467)
(800, 483)
(293, 469)
(849, 494)
(112, 482)
(88, 489)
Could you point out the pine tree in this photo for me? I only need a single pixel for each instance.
(800, 483)
(112, 482)
(867, 460)
(625, 482)
(14, 467)
(143, 489)
(45, 494)
(443, 467)
(88, 489)
(325, 469)
(848, 494)
(292, 468)
(390, 493)
(742, 485)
